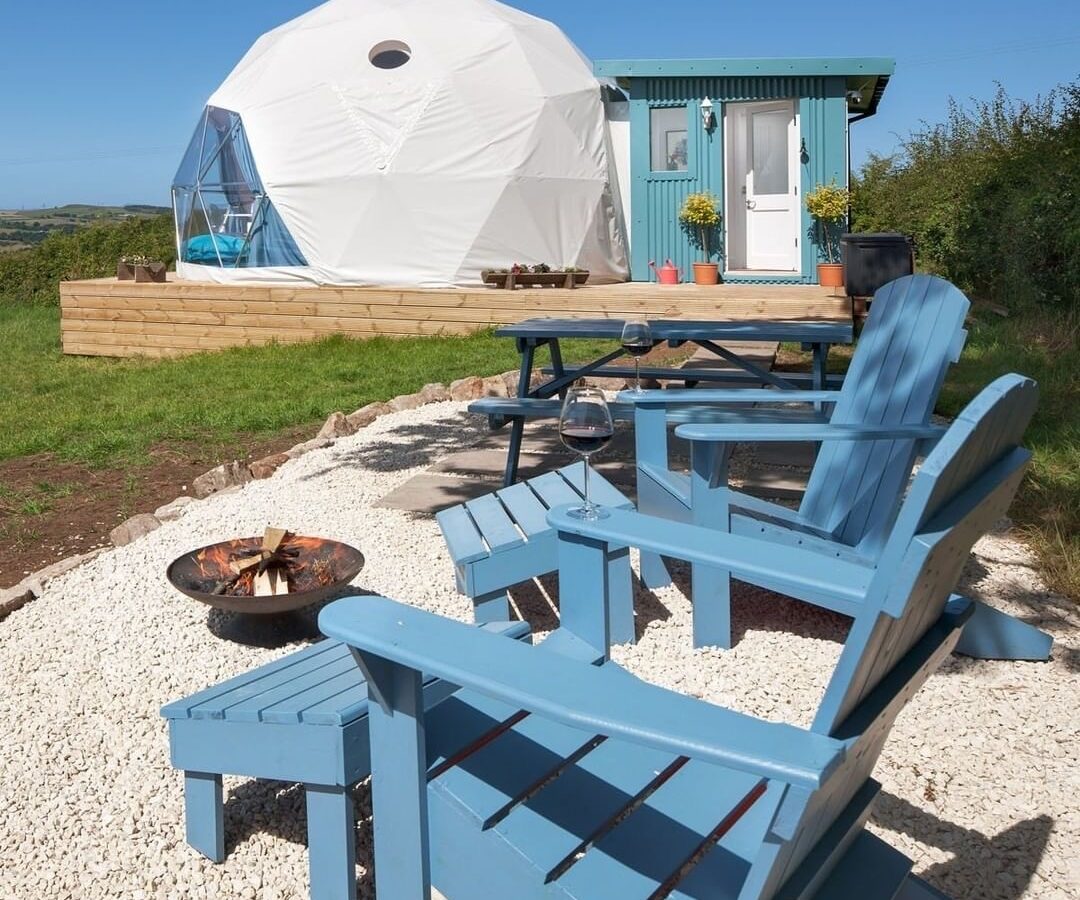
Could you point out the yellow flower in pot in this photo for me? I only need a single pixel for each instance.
(700, 216)
(828, 205)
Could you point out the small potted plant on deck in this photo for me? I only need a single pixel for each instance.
(828, 206)
(700, 216)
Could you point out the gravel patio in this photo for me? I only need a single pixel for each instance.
(980, 776)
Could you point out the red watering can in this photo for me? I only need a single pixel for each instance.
(667, 273)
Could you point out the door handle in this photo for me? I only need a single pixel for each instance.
(751, 204)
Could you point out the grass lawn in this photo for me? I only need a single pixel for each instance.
(1041, 344)
(110, 412)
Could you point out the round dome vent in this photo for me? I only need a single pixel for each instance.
(390, 54)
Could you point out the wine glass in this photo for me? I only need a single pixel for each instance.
(637, 340)
(585, 427)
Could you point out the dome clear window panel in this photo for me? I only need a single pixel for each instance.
(223, 216)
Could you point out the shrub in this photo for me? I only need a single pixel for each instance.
(33, 276)
(991, 197)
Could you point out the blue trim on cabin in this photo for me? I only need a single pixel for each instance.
(825, 92)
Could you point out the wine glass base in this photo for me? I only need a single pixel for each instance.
(588, 514)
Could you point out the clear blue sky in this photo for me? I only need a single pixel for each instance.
(98, 99)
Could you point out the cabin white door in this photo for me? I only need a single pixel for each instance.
(763, 201)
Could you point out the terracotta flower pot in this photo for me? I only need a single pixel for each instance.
(706, 273)
(830, 274)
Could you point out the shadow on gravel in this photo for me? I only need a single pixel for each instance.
(277, 808)
(416, 445)
(537, 602)
(274, 631)
(982, 868)
(755, 609)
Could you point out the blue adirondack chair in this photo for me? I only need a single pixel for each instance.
(547, 775)
(869, 443)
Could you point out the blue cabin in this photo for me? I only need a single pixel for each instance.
(757, 133)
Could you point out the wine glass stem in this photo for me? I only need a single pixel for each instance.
(588, 498)
(637, 375)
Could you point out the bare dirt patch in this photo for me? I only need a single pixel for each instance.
(51, 508)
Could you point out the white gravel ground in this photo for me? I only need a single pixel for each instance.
(980, 776)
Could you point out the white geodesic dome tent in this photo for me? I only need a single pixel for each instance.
(407, 142)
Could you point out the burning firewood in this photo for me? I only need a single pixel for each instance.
(280, 563)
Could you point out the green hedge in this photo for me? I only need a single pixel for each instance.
(991, 197)
(32, 276)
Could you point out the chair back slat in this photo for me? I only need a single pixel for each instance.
(908, 623)
(963, 487)
(914, 331)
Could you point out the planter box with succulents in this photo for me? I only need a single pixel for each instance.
(534, 276)
(140, 269)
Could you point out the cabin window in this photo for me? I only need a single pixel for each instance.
(669, 139)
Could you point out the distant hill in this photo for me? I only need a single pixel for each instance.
(20, 228)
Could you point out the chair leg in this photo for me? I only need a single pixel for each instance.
(331, 842)
(711, 591)
(492, 607)
(992, 634)
(620, 597)
(654, 573)
(204, 814)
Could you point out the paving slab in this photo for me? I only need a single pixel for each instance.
(490, 464)
(428, 493)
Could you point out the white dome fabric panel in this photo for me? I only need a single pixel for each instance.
(487, 147)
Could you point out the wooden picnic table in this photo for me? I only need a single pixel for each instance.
(531, 334)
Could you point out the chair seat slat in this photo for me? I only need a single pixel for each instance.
(462, 537)
(494, 524)
(211, 702)
(255, 708)
(666, 830)
(527, 510)
(503, 769)
(582, 799)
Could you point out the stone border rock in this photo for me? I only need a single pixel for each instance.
(232, 476)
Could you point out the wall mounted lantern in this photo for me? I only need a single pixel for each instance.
(707, 113)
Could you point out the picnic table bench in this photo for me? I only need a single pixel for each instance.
(534, 400)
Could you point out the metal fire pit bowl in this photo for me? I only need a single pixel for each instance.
(188, 574)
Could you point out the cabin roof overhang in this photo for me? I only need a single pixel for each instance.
(866, 77)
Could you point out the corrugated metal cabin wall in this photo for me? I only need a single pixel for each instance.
(657, 197)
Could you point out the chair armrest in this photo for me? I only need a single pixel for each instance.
(803, 574)
(603, 700)
(822, 431)
(729, 395)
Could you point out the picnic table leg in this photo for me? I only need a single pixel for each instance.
(527, 349)
(204, 814)
(557, 363)
(331, 842)
(821, 359)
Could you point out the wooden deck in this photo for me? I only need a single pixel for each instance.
(106, 317)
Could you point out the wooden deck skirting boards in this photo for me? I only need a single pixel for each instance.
(106, 317)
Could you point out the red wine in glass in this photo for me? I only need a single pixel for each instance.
(585, 427)
(586, 439)
(637, 340)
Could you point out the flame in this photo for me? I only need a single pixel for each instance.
(307, 563)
